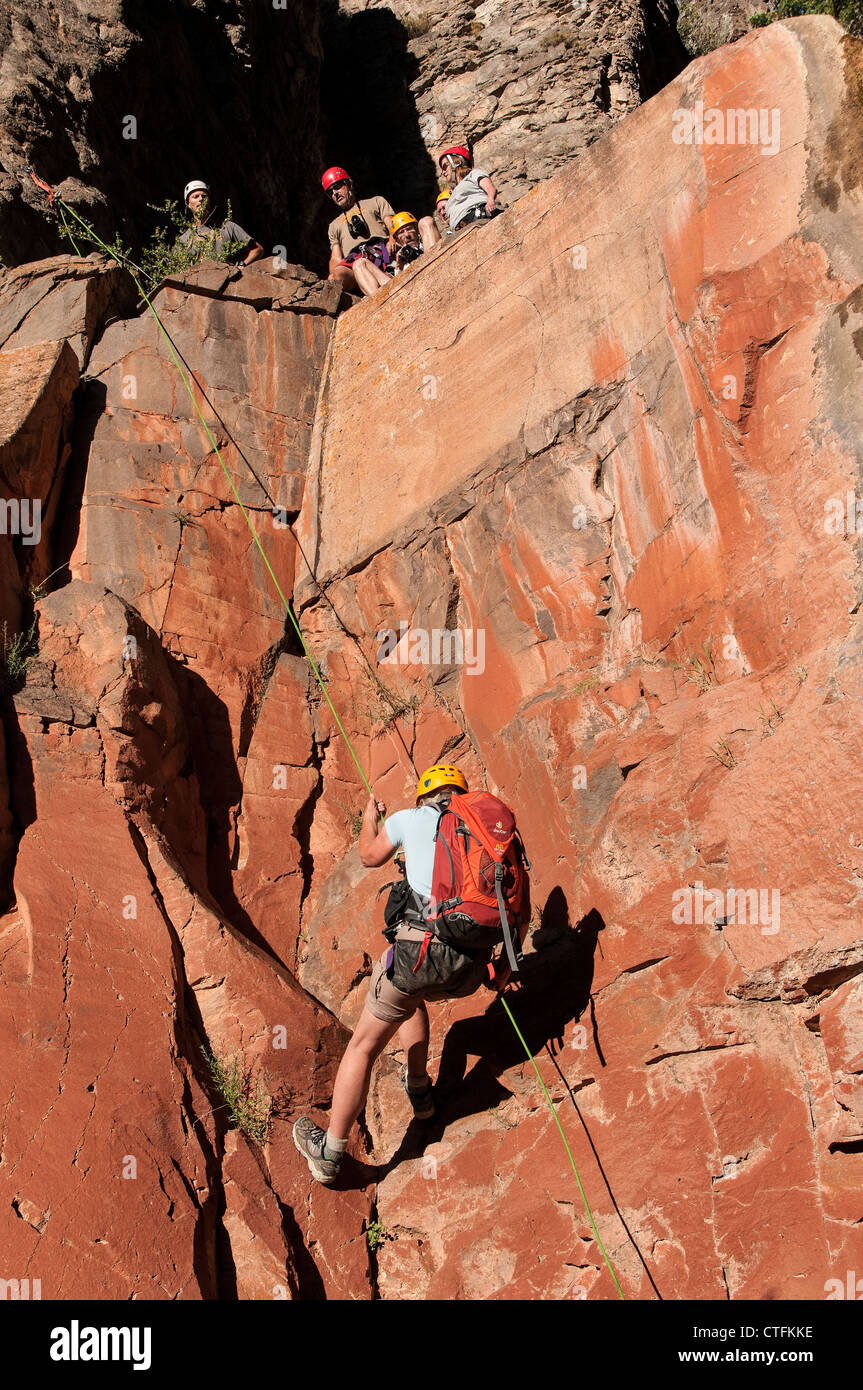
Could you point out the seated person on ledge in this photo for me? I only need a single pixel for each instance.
(360, 240)
(472, 196)
(409, 240)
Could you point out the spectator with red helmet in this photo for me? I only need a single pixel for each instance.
(360, 237)
(472, 196)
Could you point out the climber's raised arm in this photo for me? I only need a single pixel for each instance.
(376, 847)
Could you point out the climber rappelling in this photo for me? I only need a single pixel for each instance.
(464, 893)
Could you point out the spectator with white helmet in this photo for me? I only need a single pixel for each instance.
(226, 242)
(472, 196)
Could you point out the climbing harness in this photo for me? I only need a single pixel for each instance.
(65, 207)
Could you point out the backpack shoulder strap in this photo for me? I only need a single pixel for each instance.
(512, 955)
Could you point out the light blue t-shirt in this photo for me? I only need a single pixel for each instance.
(414, 830)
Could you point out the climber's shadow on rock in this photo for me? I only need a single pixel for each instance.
(554, 991)
(556, 980)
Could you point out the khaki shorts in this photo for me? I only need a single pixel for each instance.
(392, 1005)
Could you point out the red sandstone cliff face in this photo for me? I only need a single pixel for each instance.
(602, 437)
(642, 478)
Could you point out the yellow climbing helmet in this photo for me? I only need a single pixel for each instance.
(402, 219)
(443, 195)
(441, 775)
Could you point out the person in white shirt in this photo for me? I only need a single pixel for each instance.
(388, 1010)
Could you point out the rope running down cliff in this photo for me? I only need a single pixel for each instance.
(175, 358)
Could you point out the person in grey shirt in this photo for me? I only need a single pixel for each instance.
(216, 241)
(472, 196)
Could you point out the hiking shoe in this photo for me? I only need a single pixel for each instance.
(422, 1101)
(309, 1139)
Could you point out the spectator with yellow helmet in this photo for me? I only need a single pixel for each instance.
(408, 240)
(412, 238)
(442, 208)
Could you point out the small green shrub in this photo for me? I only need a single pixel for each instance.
(848, 13)
(376, 1234)
(16, 656)
(390, 707)
(164, 255)
(246, 1095)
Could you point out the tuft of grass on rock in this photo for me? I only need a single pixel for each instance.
(415, 25)
(724, 754)
(17, 653)
(587, 684)
(246, 1095)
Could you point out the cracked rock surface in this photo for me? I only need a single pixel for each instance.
(599, 435)
(631, 507)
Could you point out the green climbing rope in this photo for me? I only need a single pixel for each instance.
(185, 379)
(532, 1060)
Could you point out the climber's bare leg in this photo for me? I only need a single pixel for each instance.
(414, 1038)
(344, 276)
(429, 234)
(371, 1036)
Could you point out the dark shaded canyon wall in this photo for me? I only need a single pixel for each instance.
(530, 83)
(224, 90)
